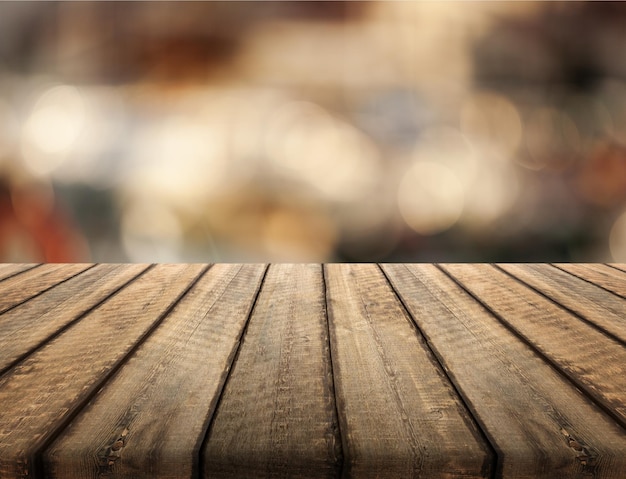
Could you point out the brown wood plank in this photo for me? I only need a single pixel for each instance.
(44, 391)
(17, 289)
(593, 361)
(593, 303)
(402, 417)
(10, 269)
(28, 325)
(600, 274)
(276, 417)
(158, 403)
(620, 266)
(539, 423)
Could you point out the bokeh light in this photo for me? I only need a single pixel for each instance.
(306, 143)
(52, 128)
(179, 159)
(151, 232)
(92, 159)
(449, 147)
(493, 191)
(493, 121)
(312, 131)
(430, 197)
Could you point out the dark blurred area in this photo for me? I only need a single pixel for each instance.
(312, 131)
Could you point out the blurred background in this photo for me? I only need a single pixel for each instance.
(312, 131)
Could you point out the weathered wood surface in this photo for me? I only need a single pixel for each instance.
(41, 394)
(22, 287)
(354, 371)
(8, 270)
(29, 325)
(175, 376)
(618, 266)
(586, 300)
(401, 416)
(535, 418)
(277, 413)
(602, 275)
(593, 361)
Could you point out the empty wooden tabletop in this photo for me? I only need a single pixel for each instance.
(312, 371)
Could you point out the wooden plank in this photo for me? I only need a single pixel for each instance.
(186, 358)
(43, 392)
(11, 269)
(276, 417)
(596, 305)
(594, 361)
(400, 415)
(28, 325)
(20, 288)
(539, 423)
(600, 274)
(620, 266)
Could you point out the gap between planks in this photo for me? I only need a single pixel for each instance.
(488, 360)
(56, 316)
(84, 360)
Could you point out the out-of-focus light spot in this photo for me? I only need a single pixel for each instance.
(488, 183)
(290, 235)
(306, 143)
(492, 192)
(238, 118)
(447, 146)
(617, 239)
(52, 128)
(180, 161)
(430, 198)
(151, 232)
(287, 133)
(90, 159)
(552, 139)
(492, 120)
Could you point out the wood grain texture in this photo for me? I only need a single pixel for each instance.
(400, 415)
(594, 362)
(8, 270)
(42, 393)
(276, 417)
(19, 288)
(600, 274)
(28, 325)
(174, 371)
(158, 403)
(595, 304)
(619, 266)
(540, 425)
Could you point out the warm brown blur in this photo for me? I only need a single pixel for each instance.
(312, 131)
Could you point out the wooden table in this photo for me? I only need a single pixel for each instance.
(432, 371)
